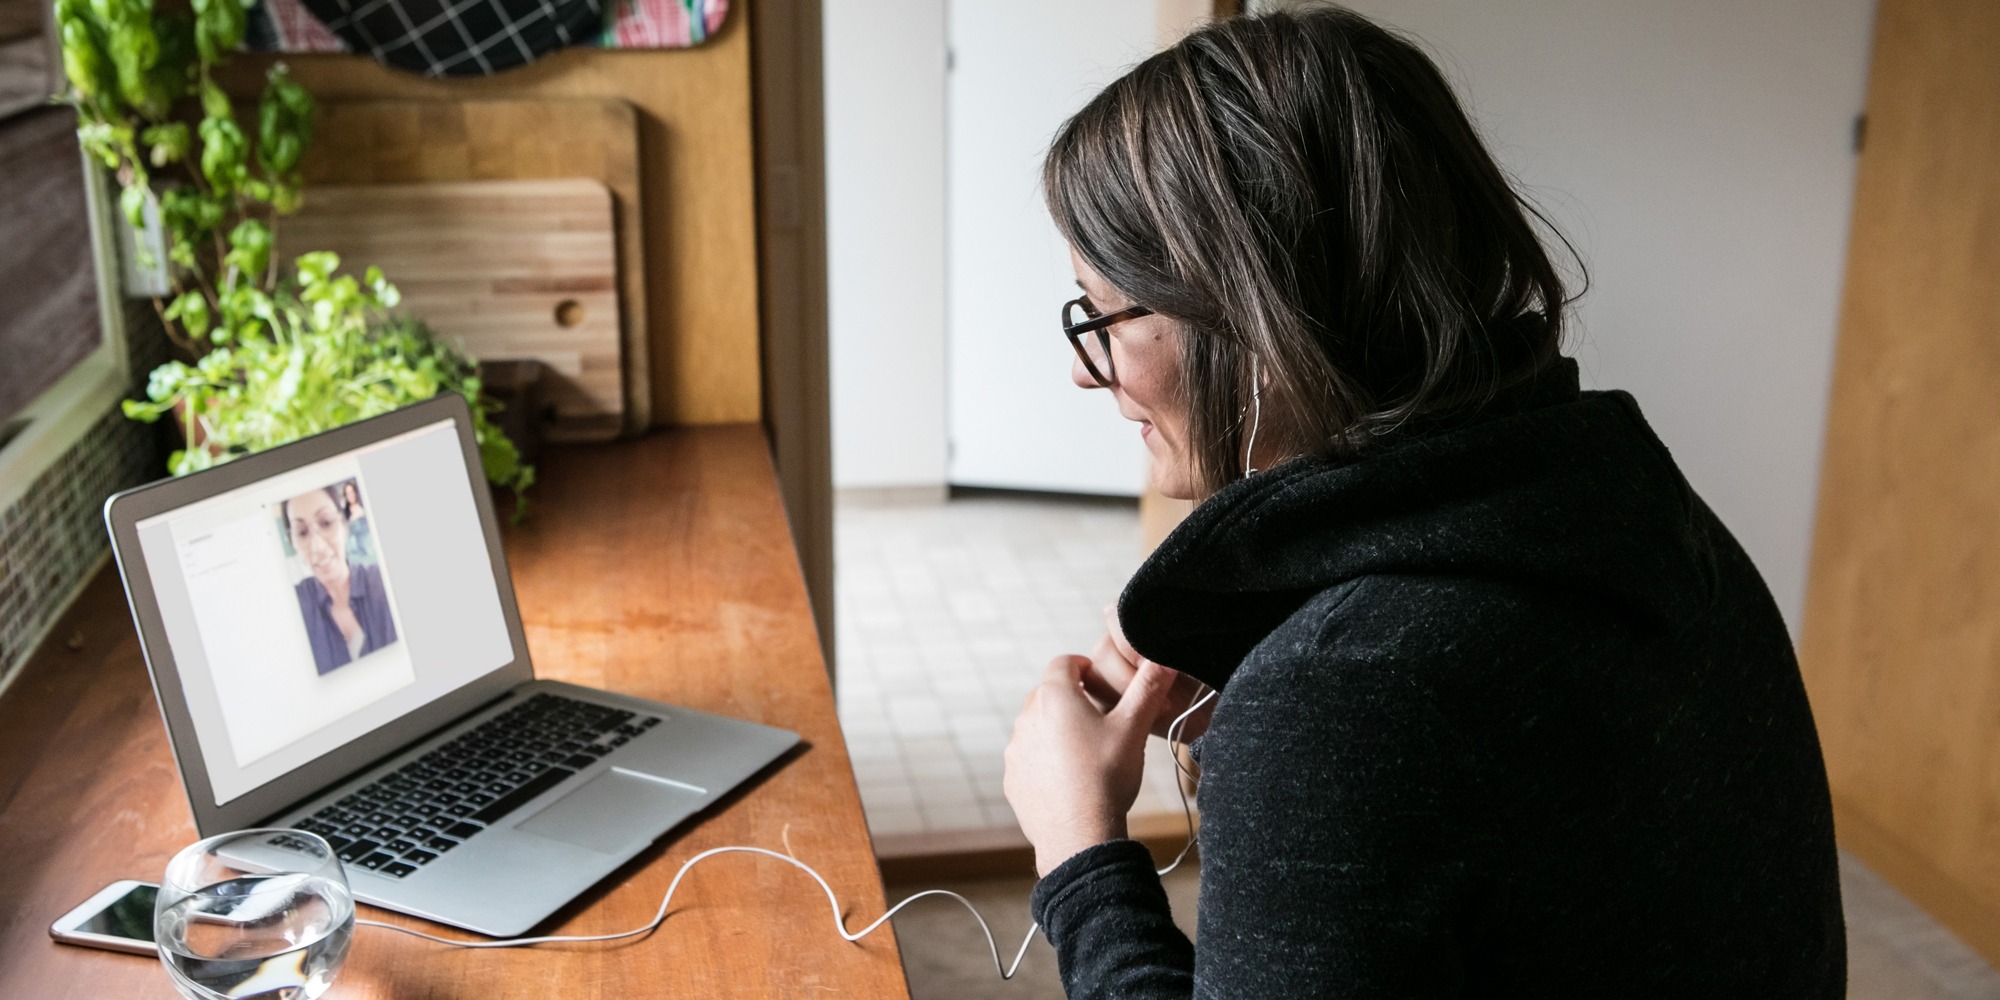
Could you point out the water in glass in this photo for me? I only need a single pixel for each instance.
(234, 931)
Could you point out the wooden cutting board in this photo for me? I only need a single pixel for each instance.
(502, 269)
(412, 141)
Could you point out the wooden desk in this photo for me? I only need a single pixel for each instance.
(661, 568)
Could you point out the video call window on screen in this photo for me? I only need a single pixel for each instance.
(337, 574)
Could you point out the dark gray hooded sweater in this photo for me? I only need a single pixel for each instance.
(1504, 712)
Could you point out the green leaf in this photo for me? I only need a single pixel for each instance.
(270, 121)
(296, 99)
(223, 154)
(191, 310)
(280, 153)
(164, 383)
(134, 49)
(315, 268)
(246, 312)
(214, 102)
(500, 458)
(249, 248)
(386, 295)
(107, 11)
(132, 202)
(210, 212)
(219, 28)
(287, 387)
(99, 139)
(85, 63)
(170, 142)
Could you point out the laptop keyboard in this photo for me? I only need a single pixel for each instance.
(406, 818)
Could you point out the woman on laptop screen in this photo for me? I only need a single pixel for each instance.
(345, 606)
(1502, 709)
(357, 521)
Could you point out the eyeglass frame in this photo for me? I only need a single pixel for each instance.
(1100, 325)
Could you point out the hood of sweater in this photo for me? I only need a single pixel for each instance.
(1549, 488)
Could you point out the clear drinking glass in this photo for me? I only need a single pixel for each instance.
(255, 913)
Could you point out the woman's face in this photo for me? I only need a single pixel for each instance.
(319, 534)
(1146, 360)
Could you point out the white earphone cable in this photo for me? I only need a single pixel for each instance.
(833, 903)
(1256, 417)
(1182, 777)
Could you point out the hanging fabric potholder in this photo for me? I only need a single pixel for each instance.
(459, 37)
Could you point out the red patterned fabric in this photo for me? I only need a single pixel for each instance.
(298, 30)
(663, 24)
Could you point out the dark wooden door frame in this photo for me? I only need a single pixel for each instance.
(786, 95)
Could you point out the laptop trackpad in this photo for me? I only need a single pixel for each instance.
(614, 809)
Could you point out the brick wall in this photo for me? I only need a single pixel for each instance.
(53, 536)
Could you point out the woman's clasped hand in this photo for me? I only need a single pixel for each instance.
(1073, 768)
(1077, 756)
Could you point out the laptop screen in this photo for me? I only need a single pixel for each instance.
(310, 608)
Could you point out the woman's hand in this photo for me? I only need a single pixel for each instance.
(1113, 662)
(1073, 769)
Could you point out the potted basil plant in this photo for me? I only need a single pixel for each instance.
(266, 353)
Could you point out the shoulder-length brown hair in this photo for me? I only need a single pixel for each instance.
(1303, 189)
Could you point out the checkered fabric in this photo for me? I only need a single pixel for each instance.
(459, 37)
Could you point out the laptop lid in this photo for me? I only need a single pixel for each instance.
(238, 578)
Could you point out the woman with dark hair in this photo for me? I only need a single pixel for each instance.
(360, 543)
(345, 607)
(1501, 708)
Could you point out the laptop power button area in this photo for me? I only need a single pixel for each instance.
(611, 811)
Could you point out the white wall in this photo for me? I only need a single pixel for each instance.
(885, 178)
(1021, 68)
(1699, 154)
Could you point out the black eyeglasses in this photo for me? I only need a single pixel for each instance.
(1095, 351)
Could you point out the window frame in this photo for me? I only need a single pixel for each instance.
(67, 410)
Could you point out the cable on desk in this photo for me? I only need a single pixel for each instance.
(839, 925)
(833, 902)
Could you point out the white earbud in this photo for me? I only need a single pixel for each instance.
(1256, 416)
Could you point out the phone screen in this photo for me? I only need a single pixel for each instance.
(128, 916)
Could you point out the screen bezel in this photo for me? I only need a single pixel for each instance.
(124, 511)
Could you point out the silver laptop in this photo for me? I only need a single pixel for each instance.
(333, 639)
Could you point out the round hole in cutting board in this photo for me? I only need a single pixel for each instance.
(569, 312)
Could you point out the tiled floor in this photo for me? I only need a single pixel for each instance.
(947, 613)
(1894, 950)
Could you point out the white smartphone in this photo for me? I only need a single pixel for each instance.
(118, 918)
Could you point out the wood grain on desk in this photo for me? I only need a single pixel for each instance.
(660, 568)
